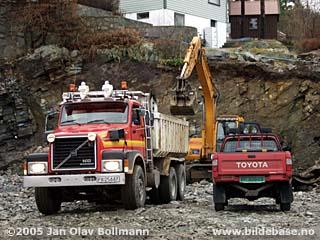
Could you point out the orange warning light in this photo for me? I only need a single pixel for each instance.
(72, 87)
(124, 85)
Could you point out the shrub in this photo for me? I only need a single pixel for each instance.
(307, 45)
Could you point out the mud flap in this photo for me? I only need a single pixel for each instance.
(286, 193)
(219, 194)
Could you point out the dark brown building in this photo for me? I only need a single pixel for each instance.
(247, 19)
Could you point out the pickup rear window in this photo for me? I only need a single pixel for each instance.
(250, 145)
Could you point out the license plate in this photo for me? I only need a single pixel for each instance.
(252, 179)
(109, 179)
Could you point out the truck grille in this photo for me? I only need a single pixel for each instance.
(83, 158)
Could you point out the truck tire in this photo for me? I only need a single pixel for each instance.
(47, 200)
(181, 178)
(134, 191)
(154, 196)
(168, 186)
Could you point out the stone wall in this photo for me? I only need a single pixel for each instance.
(14, 44)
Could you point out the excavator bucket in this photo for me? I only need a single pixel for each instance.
(182, 110)
(183, 101)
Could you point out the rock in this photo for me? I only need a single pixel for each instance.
(250, 57)
(74, 53)
(49, 52)
(309, 214)
(204, 182)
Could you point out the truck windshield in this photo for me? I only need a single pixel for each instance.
(94, 113)
(250, 145)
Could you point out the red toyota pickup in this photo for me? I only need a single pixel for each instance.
(252, 166)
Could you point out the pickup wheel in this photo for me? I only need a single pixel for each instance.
(285, 206)
(169, 186)
(134, 191)
(285, 196)
(219, 197)
(219, 206)
(181, 178)
(47, 200)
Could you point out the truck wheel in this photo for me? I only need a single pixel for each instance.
(134, 191)
(181, 178)
(47, 200)
(219, 206)
(169, 186)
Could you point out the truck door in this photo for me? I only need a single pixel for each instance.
(138, 132)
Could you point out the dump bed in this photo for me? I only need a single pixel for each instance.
(170, 136)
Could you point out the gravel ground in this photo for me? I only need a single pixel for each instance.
(194, 218)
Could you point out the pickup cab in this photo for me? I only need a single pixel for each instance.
(252, 166)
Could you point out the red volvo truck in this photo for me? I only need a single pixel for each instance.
(252, 166)
(110, 145)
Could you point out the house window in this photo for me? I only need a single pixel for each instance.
(144, 15)
(253, 24)
(213, 23)
(178, 19)
(215, 2)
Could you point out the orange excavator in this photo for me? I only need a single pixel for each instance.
(183, 101)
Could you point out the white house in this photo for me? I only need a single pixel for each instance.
(208, 16)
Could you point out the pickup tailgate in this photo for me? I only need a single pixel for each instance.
(255, 163)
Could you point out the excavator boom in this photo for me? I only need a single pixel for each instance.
(184, 97)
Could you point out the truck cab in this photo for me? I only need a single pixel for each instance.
(252, 166)
(105, 149)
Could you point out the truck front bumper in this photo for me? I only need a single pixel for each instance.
(74, 180)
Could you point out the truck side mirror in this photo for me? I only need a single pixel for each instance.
(116, 135)
(51, 121)
(142, 112)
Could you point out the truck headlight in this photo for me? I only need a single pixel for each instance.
(37, 168)
(51, 137)
(112, 166)
(92, 136)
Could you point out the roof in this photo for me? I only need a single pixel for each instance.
(252, 7)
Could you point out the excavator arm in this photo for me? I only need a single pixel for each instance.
(184, 97)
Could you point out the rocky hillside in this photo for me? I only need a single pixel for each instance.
(284, 95)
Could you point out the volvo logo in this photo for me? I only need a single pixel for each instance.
(74, 153)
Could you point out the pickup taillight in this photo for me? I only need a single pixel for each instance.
(214, 160)
(288, 161)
